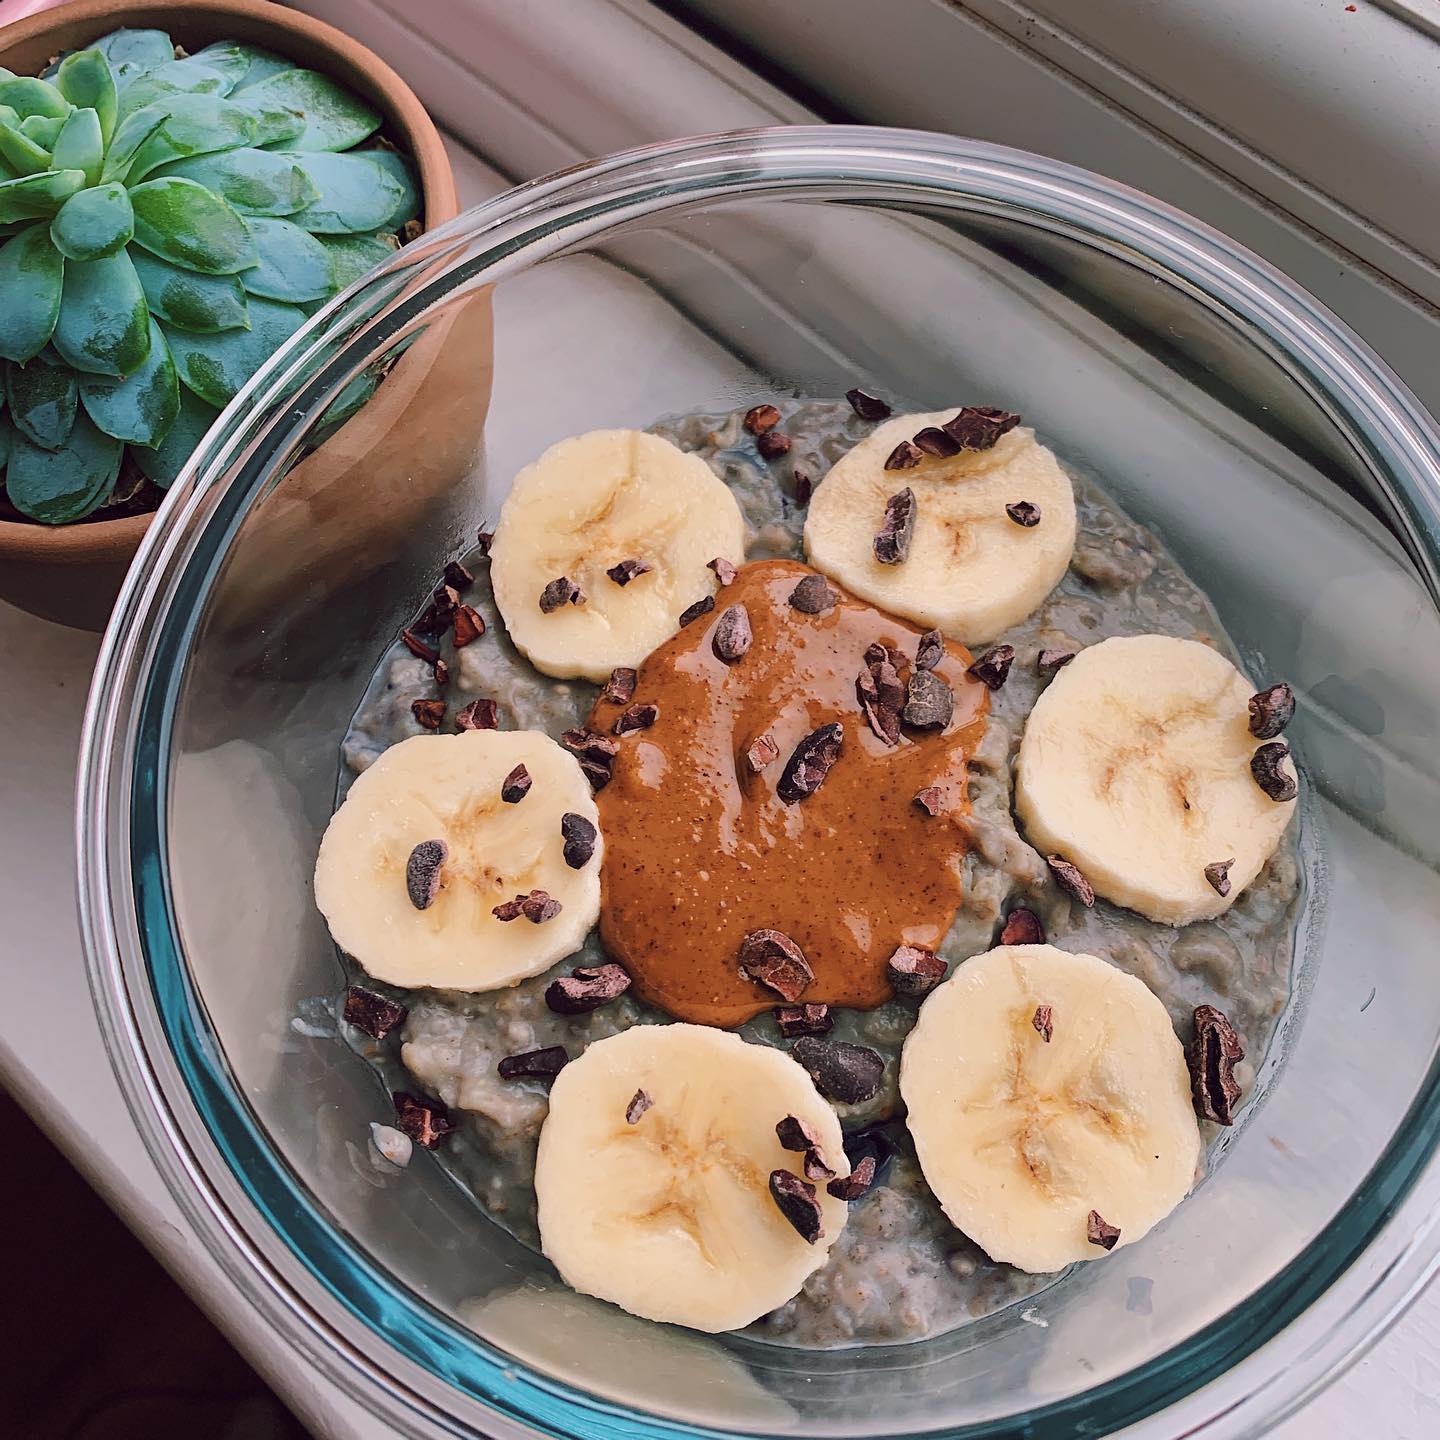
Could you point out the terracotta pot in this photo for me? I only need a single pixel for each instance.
(71, 573)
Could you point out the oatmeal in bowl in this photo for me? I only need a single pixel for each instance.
(816, 870)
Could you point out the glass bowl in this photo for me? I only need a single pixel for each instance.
(1285, 466)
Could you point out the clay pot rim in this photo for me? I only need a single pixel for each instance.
(100, 540)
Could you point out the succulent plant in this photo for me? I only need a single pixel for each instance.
(166, 223)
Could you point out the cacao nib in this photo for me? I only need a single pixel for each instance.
(796, 1201)
(543, 1064)
(732, 636)
(795, 1020)
(469, 625)
(912, 971)
(560, 591)
(760, 418)
(620, 687)
(857, 1183)
(929, 701)
(586, 988)
(428, 713)
(424, 1120)
(627, 570)
(847, 1073)
(1071, 881)
(992, 669)
(479, 715)
(772, 959)
(868, 407)
(905, 456)
(422, 872)
(377, 1015)
(579, 836)
(812, 596)
(1218, 875)
(979, 427)
(1100, 1232)
(702, 606)
(1022, 927)
(810, 763)
(892, 543)
(1212, 1056)
(637, 717)
(516, 785)
(1271, 711)
(1267, 766)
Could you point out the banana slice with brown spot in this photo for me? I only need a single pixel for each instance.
(415, 863)
(664, 1204)
(603, 543)
(1049, 1100)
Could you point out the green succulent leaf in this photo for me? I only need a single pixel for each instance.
(400, 169)
(348, 402)
(335, 119)
(163, 463)
(263, 64)
(84, 79)
(42, 400)
(38, 197)
(132, 51)
(275, 124)
(42, 129)
(57, 486)
(203, 303)
(196, 125)
(31, 275)
(227, 57)
(28, 96)
(352, 256)
(104, 325)
(187, 224)
(255, 182)
(21, 153)
(293, 266)
(180, 77)
(132, 132)
(142, 407)
(80, 145)
(93, 224)
(356, 194)
(216, 366)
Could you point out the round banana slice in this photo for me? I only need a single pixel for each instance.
(1135, 767)
(414, 912)
(603, 543)
(1050, 1105)
(654, 1176)
(973, 568)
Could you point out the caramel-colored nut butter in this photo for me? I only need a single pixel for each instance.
(700, 849)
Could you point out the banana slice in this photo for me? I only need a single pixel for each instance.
(378, 863)
(615, 501)
(1050, 1105)
(1135, 767)
(665, 1207)
(973, 569)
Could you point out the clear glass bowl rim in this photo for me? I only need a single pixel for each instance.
(423, 1373)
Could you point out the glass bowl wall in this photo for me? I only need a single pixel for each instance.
(1288, 470)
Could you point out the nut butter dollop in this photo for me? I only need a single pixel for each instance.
(700, 849)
